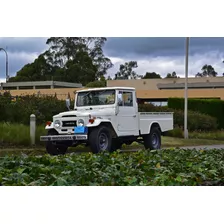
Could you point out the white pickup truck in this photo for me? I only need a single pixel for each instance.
(104, 119)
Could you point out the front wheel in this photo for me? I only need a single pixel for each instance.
(100, 139)
(54, 148)
(153, 139)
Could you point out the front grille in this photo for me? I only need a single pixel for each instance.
(68, 123)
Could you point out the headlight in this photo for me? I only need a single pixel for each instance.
(57, 123)
(80, 122)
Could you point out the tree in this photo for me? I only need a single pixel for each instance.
(126, 70)
(173, 75)
(207, 70)
(152, 75)
(63, 49)
(96, 84)
(109, 78)
(81, 69)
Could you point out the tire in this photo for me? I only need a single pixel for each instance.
(116, 144)
(53, 148)
(153, 139)
(100, 139)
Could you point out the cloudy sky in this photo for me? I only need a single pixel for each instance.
(161, 55)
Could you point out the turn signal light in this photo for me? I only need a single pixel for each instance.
(48, 123)
(91, 120)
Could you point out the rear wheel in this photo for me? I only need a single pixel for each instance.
(100, 139)
(54, 148)
(153, 139)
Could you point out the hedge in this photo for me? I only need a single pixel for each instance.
(212, 107)
(196, 120)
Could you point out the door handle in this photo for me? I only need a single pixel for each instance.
(134, 115)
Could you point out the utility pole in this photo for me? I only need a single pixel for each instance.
(186, 90)
(6, 65)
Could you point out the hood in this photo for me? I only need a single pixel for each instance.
(84, 113)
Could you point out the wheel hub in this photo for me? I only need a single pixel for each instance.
(103, 141)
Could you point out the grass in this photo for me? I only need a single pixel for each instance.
(217, 135)
(18, 134)
(177, 142)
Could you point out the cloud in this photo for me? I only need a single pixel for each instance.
(16, 61)
(20, 52)
(168, 64)
(23, 44)
(138, 47)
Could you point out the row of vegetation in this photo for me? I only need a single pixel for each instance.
(158, 167)
(19, 110)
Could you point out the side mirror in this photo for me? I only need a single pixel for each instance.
(68, 103)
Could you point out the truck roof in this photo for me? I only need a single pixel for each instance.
(105, 88)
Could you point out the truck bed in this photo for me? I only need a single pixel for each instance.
(164, 119)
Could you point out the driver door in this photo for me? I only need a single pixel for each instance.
(127, 116)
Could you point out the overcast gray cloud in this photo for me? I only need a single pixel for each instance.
(160, 46)
(21, 50)
(160, 55)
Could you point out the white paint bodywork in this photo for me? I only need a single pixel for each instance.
(125, 120)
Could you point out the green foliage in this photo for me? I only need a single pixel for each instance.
(96, 84)
(172, 75)
(20, 109)
(176, 133)
(217, 135)
(151, 75)
(143, 168)
(18, 134)
(207, 70)
(196, 120)
(212, 107)
(126, 70)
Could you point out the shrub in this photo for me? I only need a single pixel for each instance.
(96, 84)
(176, 133)
(20, 109)
(212, 107)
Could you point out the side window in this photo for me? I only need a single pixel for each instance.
(125, 99)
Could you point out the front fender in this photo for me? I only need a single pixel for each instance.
(97, 122)
(48, 127)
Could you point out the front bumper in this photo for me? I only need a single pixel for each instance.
(48, 138)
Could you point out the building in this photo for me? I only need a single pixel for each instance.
(156, 91)
(38, 85)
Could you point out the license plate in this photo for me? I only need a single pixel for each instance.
(80, 130)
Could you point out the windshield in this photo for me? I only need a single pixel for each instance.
(94, 98)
